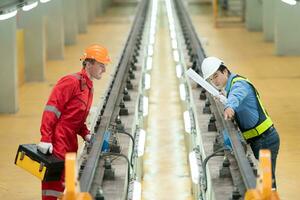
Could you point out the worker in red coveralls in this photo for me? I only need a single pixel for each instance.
(66, 112)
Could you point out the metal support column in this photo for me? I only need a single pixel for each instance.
(254, 15)
(268, 19)
(70, 21)
(8, 75)
(287, 29)
(33, 23)
(55, 39)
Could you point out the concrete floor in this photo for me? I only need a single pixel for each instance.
(166, 171)
(276, 78)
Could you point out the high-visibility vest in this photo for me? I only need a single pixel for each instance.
(264, 121)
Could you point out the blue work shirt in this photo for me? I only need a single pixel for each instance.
(242, 99)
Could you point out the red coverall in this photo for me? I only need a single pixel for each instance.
(63, 118)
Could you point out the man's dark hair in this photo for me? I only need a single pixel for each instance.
(222, 68)
(90, 60)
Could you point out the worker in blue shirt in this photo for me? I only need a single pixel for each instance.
(245, 106)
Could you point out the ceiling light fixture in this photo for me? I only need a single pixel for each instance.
(8, 15)
(30, 6)
(290, 2)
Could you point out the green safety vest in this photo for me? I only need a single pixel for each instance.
(264, 121)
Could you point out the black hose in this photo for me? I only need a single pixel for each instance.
(105, 154)
(205, 163)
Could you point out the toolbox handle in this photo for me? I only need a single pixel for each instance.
(41, 166)
(22, 155)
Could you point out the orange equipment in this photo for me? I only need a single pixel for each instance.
(263, 189)
(71, 191)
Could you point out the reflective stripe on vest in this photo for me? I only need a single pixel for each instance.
(265, 124)
(53, 109)
(53, 193)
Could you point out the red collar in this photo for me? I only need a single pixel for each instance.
(86, 79)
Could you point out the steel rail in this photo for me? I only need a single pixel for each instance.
(197, 55)
(110, 109)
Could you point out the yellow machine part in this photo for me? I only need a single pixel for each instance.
(263, 189)
(71, 191)
(31, 166)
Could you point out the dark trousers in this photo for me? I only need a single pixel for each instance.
(268, 140)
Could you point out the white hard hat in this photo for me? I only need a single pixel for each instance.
(209, 66)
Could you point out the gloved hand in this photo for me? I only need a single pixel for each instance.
(88, 137)
(45, 147)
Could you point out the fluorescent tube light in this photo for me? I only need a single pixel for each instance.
(150, 50)
(178, 71)
(176, 56)
(44, 1)
(172, 27)
(137, 191)
(8, 15)
(152, 39)
(147, 81)
(145, 106)
(187, 121)
(141, 143)
(152, 31)
(149, 63)
(30, 6)
(173, 35)
(291, 2)
(194, 167)
(174, 44)
(182, 92)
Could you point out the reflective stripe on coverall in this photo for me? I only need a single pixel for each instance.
(63, 118)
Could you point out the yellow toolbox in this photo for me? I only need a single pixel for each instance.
(45, 167)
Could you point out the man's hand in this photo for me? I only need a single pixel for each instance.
(88, 137)
(45, 147)
(228, 113)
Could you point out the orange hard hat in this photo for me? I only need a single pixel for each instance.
(97, 52)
